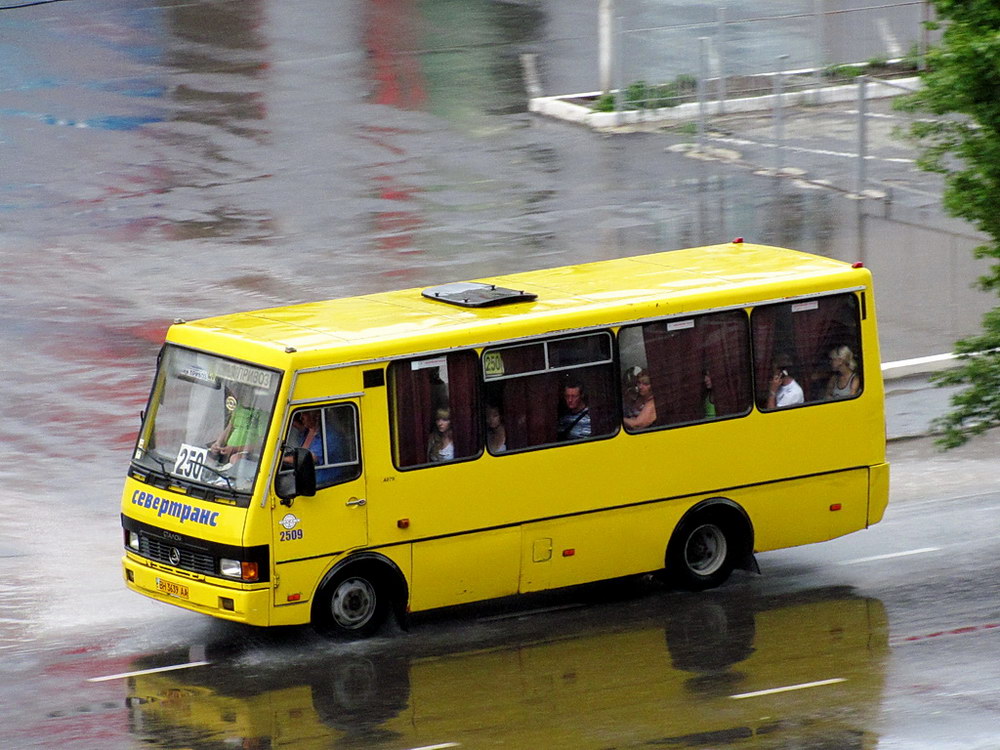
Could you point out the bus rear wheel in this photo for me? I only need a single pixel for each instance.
(701, 554)
(351, 604)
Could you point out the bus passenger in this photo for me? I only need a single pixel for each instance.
(844, 382)
(574, 419)
(243, 432)
(630, 393)
(783, 390)
(641, 413)
(496, 434)
(307, 432)
(441, 444)
(708, 396)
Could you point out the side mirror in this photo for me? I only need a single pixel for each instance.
(297, 475)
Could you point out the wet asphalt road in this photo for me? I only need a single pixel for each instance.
(178, 159)
(880, 639)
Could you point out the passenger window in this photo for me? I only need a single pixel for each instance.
(807, 351)
(434, 409)
(554, 391)
(331, 435)
(685, 370)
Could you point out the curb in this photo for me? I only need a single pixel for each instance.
(562, 108)
(905, 368)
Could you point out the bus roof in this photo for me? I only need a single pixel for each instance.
(589, 294)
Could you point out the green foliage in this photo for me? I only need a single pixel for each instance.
(962, 86)
(976, 408)
(641, 95)
(842, 71)
(685, 83)
(605, 103)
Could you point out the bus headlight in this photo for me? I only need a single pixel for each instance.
(132, 540)
(230, 568)
(242, 571)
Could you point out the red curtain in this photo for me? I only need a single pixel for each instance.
(763, 324)
(463, 398)
(674, 362)
(411, 391)
(726, 358)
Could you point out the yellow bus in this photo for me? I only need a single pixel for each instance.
(335, 462)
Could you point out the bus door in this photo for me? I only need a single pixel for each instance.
(335, 519)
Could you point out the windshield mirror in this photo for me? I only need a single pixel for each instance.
(207, 420)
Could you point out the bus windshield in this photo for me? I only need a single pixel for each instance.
(207, 420)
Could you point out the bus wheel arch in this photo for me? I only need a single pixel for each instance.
(357, 595)
(713, 537)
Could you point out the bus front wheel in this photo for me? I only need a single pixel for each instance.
(701, 554)
(351, 604)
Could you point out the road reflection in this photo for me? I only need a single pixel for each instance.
(802, 670)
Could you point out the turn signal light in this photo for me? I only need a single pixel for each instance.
(249, 571)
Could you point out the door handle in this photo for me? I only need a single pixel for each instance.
(356, 501)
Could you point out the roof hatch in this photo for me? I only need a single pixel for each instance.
(475, 294)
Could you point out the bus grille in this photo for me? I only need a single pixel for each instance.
(159, 551)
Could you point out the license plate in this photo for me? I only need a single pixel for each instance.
(172, 589)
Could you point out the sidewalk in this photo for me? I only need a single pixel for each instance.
(912, 403)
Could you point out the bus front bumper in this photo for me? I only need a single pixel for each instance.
(248, 606)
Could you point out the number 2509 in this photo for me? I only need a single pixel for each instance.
(288, 536)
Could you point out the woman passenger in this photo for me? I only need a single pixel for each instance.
(496, 434)
(642, 412)
(844, 382)
(441, 445)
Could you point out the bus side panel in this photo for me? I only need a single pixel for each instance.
(297, 583)
(878, 492)
(465, 568)
(295, 587)
(806, 510)
(327, 383)
(596, 546)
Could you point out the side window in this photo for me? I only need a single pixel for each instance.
(807, 351)
(548, 392)
(331, 435)
(685, 370)
(434, 409)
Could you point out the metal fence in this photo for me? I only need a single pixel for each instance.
(732, 52)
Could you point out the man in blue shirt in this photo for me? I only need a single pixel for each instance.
(574, 421)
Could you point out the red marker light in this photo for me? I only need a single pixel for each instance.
(836, 506)
(738, 241)
(568, 552)
(294, 597)
(403, 523)
(859, 264)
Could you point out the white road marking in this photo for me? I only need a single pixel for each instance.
(123, 675)
(890, 555)
(933, 359)
(436, 747)
(788, 688)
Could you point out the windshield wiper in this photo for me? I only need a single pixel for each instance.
(160, 461)
(229, 482)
